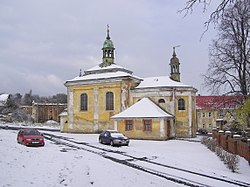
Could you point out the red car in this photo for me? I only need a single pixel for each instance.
(30, 137)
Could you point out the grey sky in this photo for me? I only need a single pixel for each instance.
(44, 43)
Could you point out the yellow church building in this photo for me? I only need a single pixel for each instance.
(109, 96)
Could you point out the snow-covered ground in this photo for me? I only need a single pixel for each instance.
(60, 165)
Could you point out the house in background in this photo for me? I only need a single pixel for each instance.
(42, 112)
(3, 100)
(216, 111)
(107, 90)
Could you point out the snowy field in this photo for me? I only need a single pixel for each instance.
(62, 165)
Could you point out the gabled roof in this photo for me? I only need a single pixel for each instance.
(161, 81)
(144, 108)
(218, 102)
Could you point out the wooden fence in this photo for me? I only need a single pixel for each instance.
(233, 144)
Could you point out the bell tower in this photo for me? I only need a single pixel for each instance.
(108, 51)
(175, 67)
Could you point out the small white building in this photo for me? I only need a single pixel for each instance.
(145, 120)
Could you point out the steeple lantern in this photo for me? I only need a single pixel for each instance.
(175, 67)
(108, 51)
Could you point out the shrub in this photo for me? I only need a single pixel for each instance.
(231, 160)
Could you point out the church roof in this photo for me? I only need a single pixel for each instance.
(108, 44)
(108, 72)
(106, 68)
(144, 108)
(161, 81)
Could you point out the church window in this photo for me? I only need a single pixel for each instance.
(128, 125)
(109, 101)
(147, 125)
(181, 104)
(84, 102)
(161, 101)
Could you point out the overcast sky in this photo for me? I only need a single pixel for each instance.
(44, 43)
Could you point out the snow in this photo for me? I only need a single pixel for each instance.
(108, 75)
(144, 108)
(3, 99)
(108, 72)
(161, 81)
(59, 165)
(112, 66)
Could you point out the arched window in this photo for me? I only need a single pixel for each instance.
(181, 104)
(109, 101)
(161, 101)
(84, 102)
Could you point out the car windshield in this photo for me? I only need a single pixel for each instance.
(116, 134)
(31, 132)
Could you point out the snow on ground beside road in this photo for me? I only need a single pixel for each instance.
(53, 165)
(192, 156)
(57, 165)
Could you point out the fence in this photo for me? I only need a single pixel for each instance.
(233, 144)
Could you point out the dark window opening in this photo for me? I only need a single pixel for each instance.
(161, 101)
(109, 101)
(128, 125)
(147, 125)
(181, 104)
(84, 102)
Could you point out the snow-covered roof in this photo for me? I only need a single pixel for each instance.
(144, 108)
(108, 72)
(112, 66)
(161, 81)
(3, 99)
(64, 113)
(102, 76)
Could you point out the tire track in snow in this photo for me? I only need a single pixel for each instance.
(128, 162)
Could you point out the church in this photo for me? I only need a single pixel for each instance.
(109, 96)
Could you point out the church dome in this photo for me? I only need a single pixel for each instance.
(108, 44)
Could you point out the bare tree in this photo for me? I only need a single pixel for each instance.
(229, 68)
(216, 14)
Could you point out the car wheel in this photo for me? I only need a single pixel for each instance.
(111, 143)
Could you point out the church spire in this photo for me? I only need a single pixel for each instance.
(108, 51)
(175, 66)
(108, 37)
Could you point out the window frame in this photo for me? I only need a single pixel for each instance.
(129, 125)
(181, 104)
(147, 126)
(109, 101)
(84, 102)
(160, 101)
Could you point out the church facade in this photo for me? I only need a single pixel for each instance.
(98, 95)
